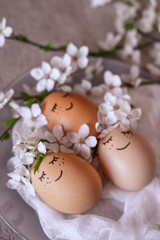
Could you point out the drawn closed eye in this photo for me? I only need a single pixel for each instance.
(110, 139)
(71, 106)
(66, 95)
(54, 160)
(42, 176)
(54, 107)
(127, 133)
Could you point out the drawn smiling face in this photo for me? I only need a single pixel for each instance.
(67, 183)
(56, 164)
(59, 107)
(126, 159)
(70, 110)
(118, 139)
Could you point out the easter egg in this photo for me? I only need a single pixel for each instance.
(67, 183)
(70, 110)
(127, 159)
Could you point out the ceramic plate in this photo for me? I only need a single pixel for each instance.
(18, 215)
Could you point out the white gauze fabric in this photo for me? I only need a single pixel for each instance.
(119, 214)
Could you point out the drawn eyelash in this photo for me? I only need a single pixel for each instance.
(42, 176)
(54, 160)
(66, 95)
(127, 132)
(54, 107)
(110, 139)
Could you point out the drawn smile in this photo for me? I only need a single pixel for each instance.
(124, 147)
(59, 176)
(71, 106)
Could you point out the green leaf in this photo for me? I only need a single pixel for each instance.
(129, 26)
(31, 101)
(43, 95)
(128, 3)
(47, 47)
(10, 122)
(5, 136)
(39, 159)
(25, 96)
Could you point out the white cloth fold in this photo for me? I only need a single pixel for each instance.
(120, 214)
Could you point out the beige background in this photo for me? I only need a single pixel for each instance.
(56, 21)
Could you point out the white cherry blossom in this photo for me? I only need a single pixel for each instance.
(130, 121)
(79, 56)
(148, 19)
(113, 82)
(20, 150)
(116, 111)
(125, 12)
(62, 66)
(32, 117)
(110, 42)
(26, 149)
(57, 141)
(133, 76)
(82, 141)
(94, 69)
(46, 77)
(4, 32)
(83, 88)
(5, 97)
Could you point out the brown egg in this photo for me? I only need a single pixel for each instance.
(127, 159)
(67, 183)
(70, 110)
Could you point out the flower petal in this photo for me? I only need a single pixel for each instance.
(3, 23)
(83, 51)
(65, 149)
(55, 147)
(25, 112)
(37, 73)
(2, 40)
(7, 31)
(77, 148)
(36, 110)
(66, 60)
(50, 85)
(91, 141)
(83, 131)
(55, 74)
(85, 151)
(41, 85)
(73, 137)
(58, 131)
(82, 62)
(46, 68)
(41, 148)
(49, 136)
(72, 49)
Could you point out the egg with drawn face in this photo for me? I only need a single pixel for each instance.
(67, 183)
(71, 111)
(127, 159)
